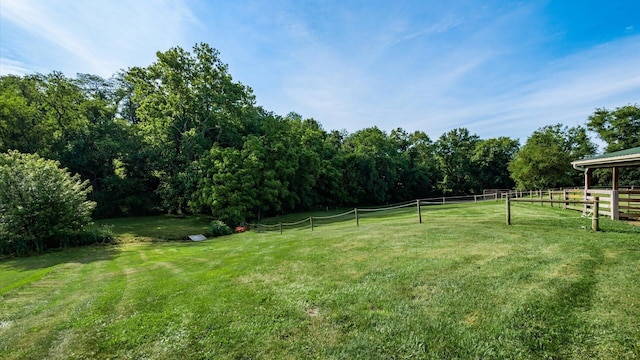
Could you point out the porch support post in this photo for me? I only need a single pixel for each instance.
(615, 207)
(587, 179)
(615, 197)
(587, 185)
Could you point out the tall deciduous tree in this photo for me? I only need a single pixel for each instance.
(76, 122)
(244, 184)
(370, 166)
(186, 103)
(23, 126)
(491, 158)
(545, 160)
(454, 152)
(620, 130)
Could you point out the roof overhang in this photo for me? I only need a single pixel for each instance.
(608, 161)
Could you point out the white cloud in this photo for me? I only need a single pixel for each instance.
(100, 36)
(12, 67)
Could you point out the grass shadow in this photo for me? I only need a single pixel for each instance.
(81, 255)
(156, 227)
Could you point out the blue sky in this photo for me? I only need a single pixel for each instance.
(498, 68)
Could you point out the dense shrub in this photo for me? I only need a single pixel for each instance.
(39, 203)
(218, 228)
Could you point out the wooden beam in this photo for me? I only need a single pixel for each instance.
(615, 178)
(587, 178)
(552, 201)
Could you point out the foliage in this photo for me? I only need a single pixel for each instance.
(491, 157)
(77, 122)
(620, 130)
(545, 160)
(454, 152)
(180, 135)
(218, 228)
(39, 202)
(186, 103)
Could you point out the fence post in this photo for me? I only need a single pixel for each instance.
(357, 219)
(443, 200)
(615, 207)
(540, 196)
(475, 198)
(595, 219)
(419, 211)
(564, 197)
(508, 210)
(280, 228)
(311, 221)
(551, 197)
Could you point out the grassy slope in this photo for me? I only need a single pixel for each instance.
(460, 285)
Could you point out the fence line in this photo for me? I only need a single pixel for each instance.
(387, 208)
(595, 225)
(334, 216)
(616, 204)
(566, 198)
(418, 203)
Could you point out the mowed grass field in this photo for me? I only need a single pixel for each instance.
(460, 285)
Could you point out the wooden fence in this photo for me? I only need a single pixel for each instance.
(616, 204)
(594, 204)
(629, 204)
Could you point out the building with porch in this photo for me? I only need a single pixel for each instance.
(619, 203)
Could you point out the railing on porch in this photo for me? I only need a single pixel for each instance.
(627, 206)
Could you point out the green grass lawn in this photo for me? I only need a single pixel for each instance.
(460, 285)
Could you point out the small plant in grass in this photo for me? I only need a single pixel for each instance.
(218, 228)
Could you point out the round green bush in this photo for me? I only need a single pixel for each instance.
(39, 202)
(218, 228)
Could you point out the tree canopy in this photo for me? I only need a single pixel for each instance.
(545, 159)
(620, 130)
(180, 135)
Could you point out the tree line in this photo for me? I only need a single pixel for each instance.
(180, 135)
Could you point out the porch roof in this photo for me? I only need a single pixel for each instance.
(623, 158)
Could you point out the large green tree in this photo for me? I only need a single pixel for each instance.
(491, 158)
(23, 126)
(545, 159)
(256, 180)
(454, 153)
(620, 130)
(77, 122)
(417, 174)
(186, 103)
(370, 166)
